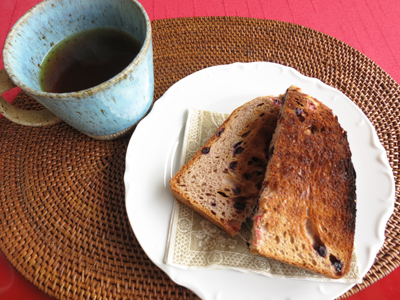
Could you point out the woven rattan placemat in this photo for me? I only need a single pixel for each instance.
(63, 222)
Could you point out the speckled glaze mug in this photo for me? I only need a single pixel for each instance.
(106, 111)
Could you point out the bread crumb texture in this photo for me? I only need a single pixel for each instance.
(223, 179)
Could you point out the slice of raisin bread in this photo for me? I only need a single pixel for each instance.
(306, 214)
(222, 180)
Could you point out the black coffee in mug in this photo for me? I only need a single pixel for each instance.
(86, 59)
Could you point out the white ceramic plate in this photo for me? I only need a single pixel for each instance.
(154, 151)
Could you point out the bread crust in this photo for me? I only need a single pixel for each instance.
(307, 205)
(222, 180)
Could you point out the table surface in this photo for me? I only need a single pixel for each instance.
(370, 26)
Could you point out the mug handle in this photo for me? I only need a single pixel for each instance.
(21, 116)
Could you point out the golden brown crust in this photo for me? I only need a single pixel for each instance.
(307, 207)
(222, 180)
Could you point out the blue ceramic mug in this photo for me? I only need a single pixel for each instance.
(105, 111)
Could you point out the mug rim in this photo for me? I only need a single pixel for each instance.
(86, 92)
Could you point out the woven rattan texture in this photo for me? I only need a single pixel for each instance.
(63, 222)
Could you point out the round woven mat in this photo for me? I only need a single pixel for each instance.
(63, 222)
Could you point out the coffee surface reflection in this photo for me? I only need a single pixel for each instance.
(86, 59)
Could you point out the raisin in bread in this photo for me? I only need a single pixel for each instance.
(222, 180)
(306, 214)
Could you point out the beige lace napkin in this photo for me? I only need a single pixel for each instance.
(195, 243)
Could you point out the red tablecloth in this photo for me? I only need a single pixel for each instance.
(370, 26)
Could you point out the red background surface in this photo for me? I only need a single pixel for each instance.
(370, 26)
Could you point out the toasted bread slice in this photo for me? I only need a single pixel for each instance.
(307, 209)
(222, 180)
